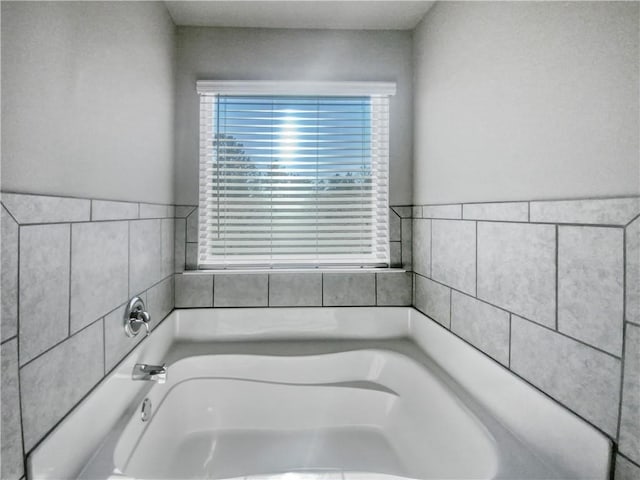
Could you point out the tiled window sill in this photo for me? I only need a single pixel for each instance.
(293, 270)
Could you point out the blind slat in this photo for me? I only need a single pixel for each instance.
(293, 180)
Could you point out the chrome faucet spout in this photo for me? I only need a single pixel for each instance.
(153, 373)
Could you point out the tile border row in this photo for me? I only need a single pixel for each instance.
(611, 211)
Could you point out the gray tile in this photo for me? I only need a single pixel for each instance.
(167, 248)
(407, 255)
(505, 211)
(10, 431)
(171, 211)
(183, 211)
(403, 211)
(116, 343)
(517, 269)
(394, 227)
(145, 254)
(99, 266)
(590, 285)
(625, 470)
(393, 288)
(453, 254)
(192, 226)
(53, 383)
(416, 211)
(44, 288)
(345, 289)
(422, 247)
(46, 209)
(610, 211)
(442, 211)
(152, 210)
(395, 252)
(9, 273)
(434, 300)
(629, 441)
(191, 256)
(161, 300)
(241, 290)
(580, 377)
(107, 210)
(632, 236)
(295, 289)
(194, 291)
(482, 325)
(179, 244)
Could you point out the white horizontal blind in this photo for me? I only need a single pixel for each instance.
(293, 180)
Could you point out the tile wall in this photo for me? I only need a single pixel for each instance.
(69, 265)
(550, 290)
(291, 289)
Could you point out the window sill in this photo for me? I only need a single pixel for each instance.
(257, 271)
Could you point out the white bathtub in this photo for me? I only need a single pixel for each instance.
(351, 393)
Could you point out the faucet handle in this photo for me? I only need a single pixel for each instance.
(135, 317)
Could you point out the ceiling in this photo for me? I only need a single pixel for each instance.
(336, 14)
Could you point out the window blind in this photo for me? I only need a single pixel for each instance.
(293, 180)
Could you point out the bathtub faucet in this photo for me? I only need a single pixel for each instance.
(153, 373)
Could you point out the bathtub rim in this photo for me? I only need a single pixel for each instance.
(52, 458)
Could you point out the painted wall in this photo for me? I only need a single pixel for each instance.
(274, 54)
(87, 99)
(526, 100)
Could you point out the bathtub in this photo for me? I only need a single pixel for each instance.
(317, 393)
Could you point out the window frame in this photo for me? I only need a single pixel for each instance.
(211, 88)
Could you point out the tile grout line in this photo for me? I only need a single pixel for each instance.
(624, 329)
(623, 455)
(104, 347)
(621, 388)
(20, 408)
(510, 327)
(430, 247)
(375, 289)
(476, 242)
(633, 220)
(450, 308)
(7, 340)
(557, 235)
(17, 336)
(18, 289)
(53, 347)
(70, 270)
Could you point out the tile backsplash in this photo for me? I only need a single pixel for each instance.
(549, 289)
(69, 265)
(302, 289)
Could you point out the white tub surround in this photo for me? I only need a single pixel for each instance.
(351, 393)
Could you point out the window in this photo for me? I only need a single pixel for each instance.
(293, 174)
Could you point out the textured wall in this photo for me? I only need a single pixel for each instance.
(534, 100)
(87, 99)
